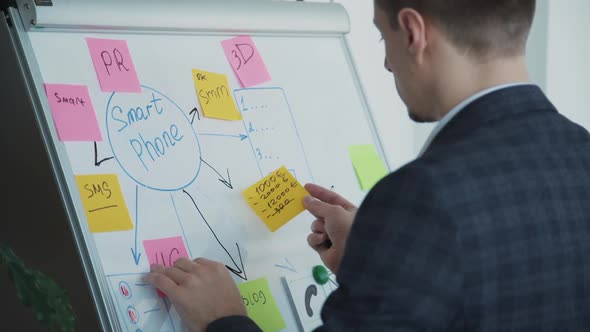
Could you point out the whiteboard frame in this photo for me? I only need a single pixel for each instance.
(33, 80)
(238, 15)
(57, 154)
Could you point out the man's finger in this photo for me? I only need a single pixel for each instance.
(176, 275)
(162, 282)
(317, 241)
(157, 268)
(328, 196)
(209, 267)
(318, 208)
(184, 264)
(204, 261)
(318, 226)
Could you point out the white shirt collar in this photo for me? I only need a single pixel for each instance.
(453, 112)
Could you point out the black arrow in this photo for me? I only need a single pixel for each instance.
(237, 271)
(96, 162)
(227, 182)
(196, 112)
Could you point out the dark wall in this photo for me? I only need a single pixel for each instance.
(33, 221)
(5, 3)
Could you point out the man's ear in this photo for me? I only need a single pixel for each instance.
(413, 28)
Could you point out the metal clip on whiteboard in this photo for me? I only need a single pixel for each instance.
(183, 16)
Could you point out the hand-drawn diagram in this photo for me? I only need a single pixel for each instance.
(165, 136)
(148, 134)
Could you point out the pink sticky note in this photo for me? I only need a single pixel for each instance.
(113, 65)
(165, 252)
(73, 114)
(245, 60)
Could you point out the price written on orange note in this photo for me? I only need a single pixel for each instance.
(277, 198)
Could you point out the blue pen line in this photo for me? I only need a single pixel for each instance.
(169, 317)
(241, 137)
(134, 251)
(123, 274)
(290, 267)
(142, 285)
(119, 162)
(287, 260)
(246, 129)
(298, 136)
(181, 228)
(238, 91)
(147, 312)
(136, 213)
(285, 267)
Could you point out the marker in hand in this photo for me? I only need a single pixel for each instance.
(328, 242)
(334, 217)
(322, 240)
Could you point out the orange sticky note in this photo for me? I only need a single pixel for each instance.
(215, 95)
(104, 203)
(277, 198)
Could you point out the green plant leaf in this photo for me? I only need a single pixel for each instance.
(49, 302)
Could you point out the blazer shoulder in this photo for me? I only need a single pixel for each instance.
(415, 178)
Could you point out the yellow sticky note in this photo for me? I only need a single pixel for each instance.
(103, 203)
(277, 198)
(368, 166)
(215, 96)
(261, 305)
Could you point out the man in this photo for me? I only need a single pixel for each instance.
(487, 230)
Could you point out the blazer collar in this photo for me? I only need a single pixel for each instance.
(496, 105)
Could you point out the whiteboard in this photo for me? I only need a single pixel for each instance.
(304, 118)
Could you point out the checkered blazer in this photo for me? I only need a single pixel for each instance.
(489, 230)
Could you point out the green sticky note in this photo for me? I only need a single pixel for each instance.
(261, 305)
(369, 168)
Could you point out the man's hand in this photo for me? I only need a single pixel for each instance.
(330, 230)
(202, 291)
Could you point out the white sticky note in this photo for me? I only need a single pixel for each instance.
(307, 298)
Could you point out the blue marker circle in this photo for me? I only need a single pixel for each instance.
(125, 290)
(153, 140)
(132, 314)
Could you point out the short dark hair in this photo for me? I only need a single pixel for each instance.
(480, 27)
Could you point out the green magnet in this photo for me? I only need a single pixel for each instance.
(320, 274)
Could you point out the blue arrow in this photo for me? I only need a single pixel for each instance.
(240, 136)
(289, 266)
(134, 252)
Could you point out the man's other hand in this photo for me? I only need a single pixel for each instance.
(202, 291)
(330, 230)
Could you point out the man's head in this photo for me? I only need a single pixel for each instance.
(433, 44)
